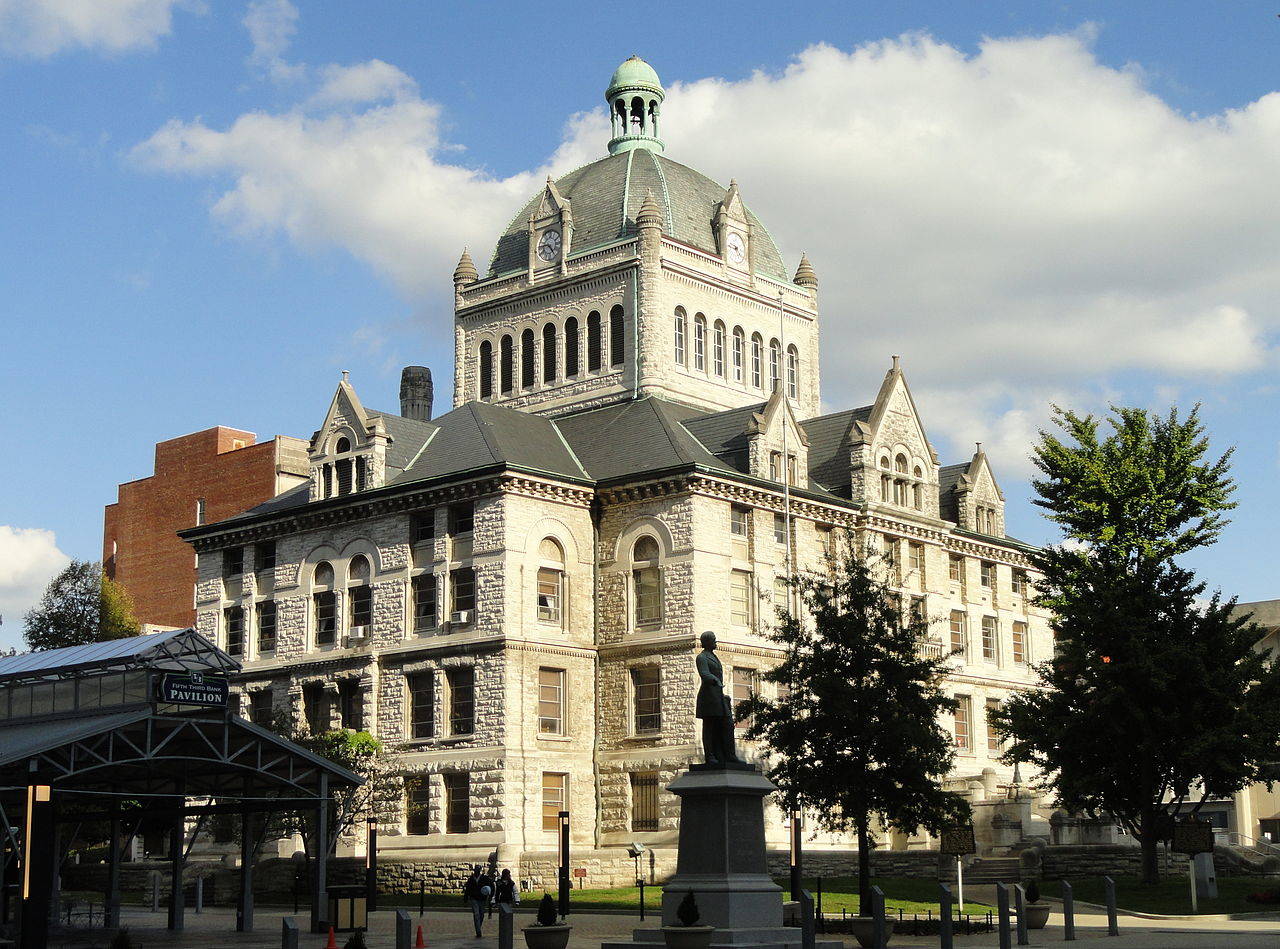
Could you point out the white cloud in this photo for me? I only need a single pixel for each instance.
(29, 559)
(271, 25)
(1023, 214)
(44, 27)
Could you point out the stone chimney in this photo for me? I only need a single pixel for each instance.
(416, 392)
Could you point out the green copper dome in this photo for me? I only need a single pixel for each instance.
(635, 73)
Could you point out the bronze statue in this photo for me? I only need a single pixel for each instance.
(714, 707)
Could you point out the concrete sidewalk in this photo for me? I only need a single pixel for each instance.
(214, 929)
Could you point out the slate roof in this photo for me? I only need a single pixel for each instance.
(948, 477)
(829, 442)
(725, 433)
(408, 435)
(605, 196)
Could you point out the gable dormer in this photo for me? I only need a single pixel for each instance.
(893, 464)
(550, 231)
(733, 230)
(777, 446)
(348, 453)
(972, 498)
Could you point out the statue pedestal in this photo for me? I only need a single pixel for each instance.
(722, 860)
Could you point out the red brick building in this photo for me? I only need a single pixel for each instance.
(199, 478)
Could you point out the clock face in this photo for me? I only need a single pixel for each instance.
(549, 245)
(737, 250)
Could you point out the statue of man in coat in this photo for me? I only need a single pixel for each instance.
(714, 707)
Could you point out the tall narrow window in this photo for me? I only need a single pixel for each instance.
(549, 353)
(261, 709)
(757, 354)
(550, 581)
(646, 697)
(324, 605)
(462, 700)
(555, 798)
(416, 798)
(457, 802)
(644, 800)
(528, 360)
(744, 686)
(422, 527)
(1019, 583)
(915, 559)
(955, 567)
(594, 342)
(264, 556)
(507, 365)
(1019, 650)
(700, 343)
(462, 592)
(571, 343)
(739, 521)
(200, 509)
(793, 372)
(359, 595)
(646, 580)
(266, 623)
(740, 597)
(486, 370)
(739, 344)
(424, 602)
(315, 705)
(990, 639)
(779, 528)
(993, 737)
(617, 337)
(959, 632)
(988, 574)
(422, 705)
(461, 518)
(963, 718)
(678, 339)
(775, 365)
(351, 705)
(717, 349)
(233, 626)
(232, 562)
(550, 701)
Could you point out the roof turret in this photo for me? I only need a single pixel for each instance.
(635, 99)
(805, 277)
(466, 271)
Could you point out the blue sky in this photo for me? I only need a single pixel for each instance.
(212, 208)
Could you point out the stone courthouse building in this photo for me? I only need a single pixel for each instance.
(511, 593)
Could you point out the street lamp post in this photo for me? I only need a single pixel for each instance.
(371, 868)
(564, 864)
(797, 856)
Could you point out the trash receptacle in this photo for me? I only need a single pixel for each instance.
(348, 909)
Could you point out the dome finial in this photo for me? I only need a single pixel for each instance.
(635, 97)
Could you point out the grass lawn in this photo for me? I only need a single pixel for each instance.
(1171, 896)
(911, 896)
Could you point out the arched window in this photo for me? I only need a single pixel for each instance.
(324, 605)
(793, 372)
(486, 370)
(637, 115)
(646, 582)
(717, 349)
(775, 365)
(757, 355)
(507, 364)
(550, 581)
(571, 347)
(549, 353)
(593, 342)
(342, 467)
(700, 343)
(528, 364)
(900, 464)
(343, 446)
(739, 345)
(359, 595)
(917, 497)
(679, 336)
(617, 337)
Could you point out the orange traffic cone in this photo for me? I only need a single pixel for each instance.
(333, 942)
(421, 943)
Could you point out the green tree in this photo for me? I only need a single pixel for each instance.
(854, 732)
(81, 605)
(1155, 697)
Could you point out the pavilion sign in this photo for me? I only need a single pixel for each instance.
(193, 688)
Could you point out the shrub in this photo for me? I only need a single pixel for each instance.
(1264, 896)
(122, 940)
(547, 915)
(687, 911)
(1032, 890)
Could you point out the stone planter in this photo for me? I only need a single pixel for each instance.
(687, 937)
(547, 937)
(863, 930)
(1037, 915)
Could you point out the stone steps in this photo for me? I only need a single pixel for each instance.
(994, 870)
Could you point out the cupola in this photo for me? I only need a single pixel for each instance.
(635, 100)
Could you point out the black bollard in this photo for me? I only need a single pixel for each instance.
(506, 926)
(404, 929)
(1020, 904)
(946, 939)
(808, 940)
(640, 883)
(422, 898)
(1068, 913)
(1113, 927)
(288, 934)
(881, 935)
(1002, 906)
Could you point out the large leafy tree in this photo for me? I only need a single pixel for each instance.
(81, 605)
(1155, 697)
(854, 733)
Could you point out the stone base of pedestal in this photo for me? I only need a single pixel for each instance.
(721, 860)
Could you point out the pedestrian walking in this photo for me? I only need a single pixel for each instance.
(477, 892)
(504, 890)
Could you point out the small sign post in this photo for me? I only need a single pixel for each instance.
(958, 840)
(1192, 837)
